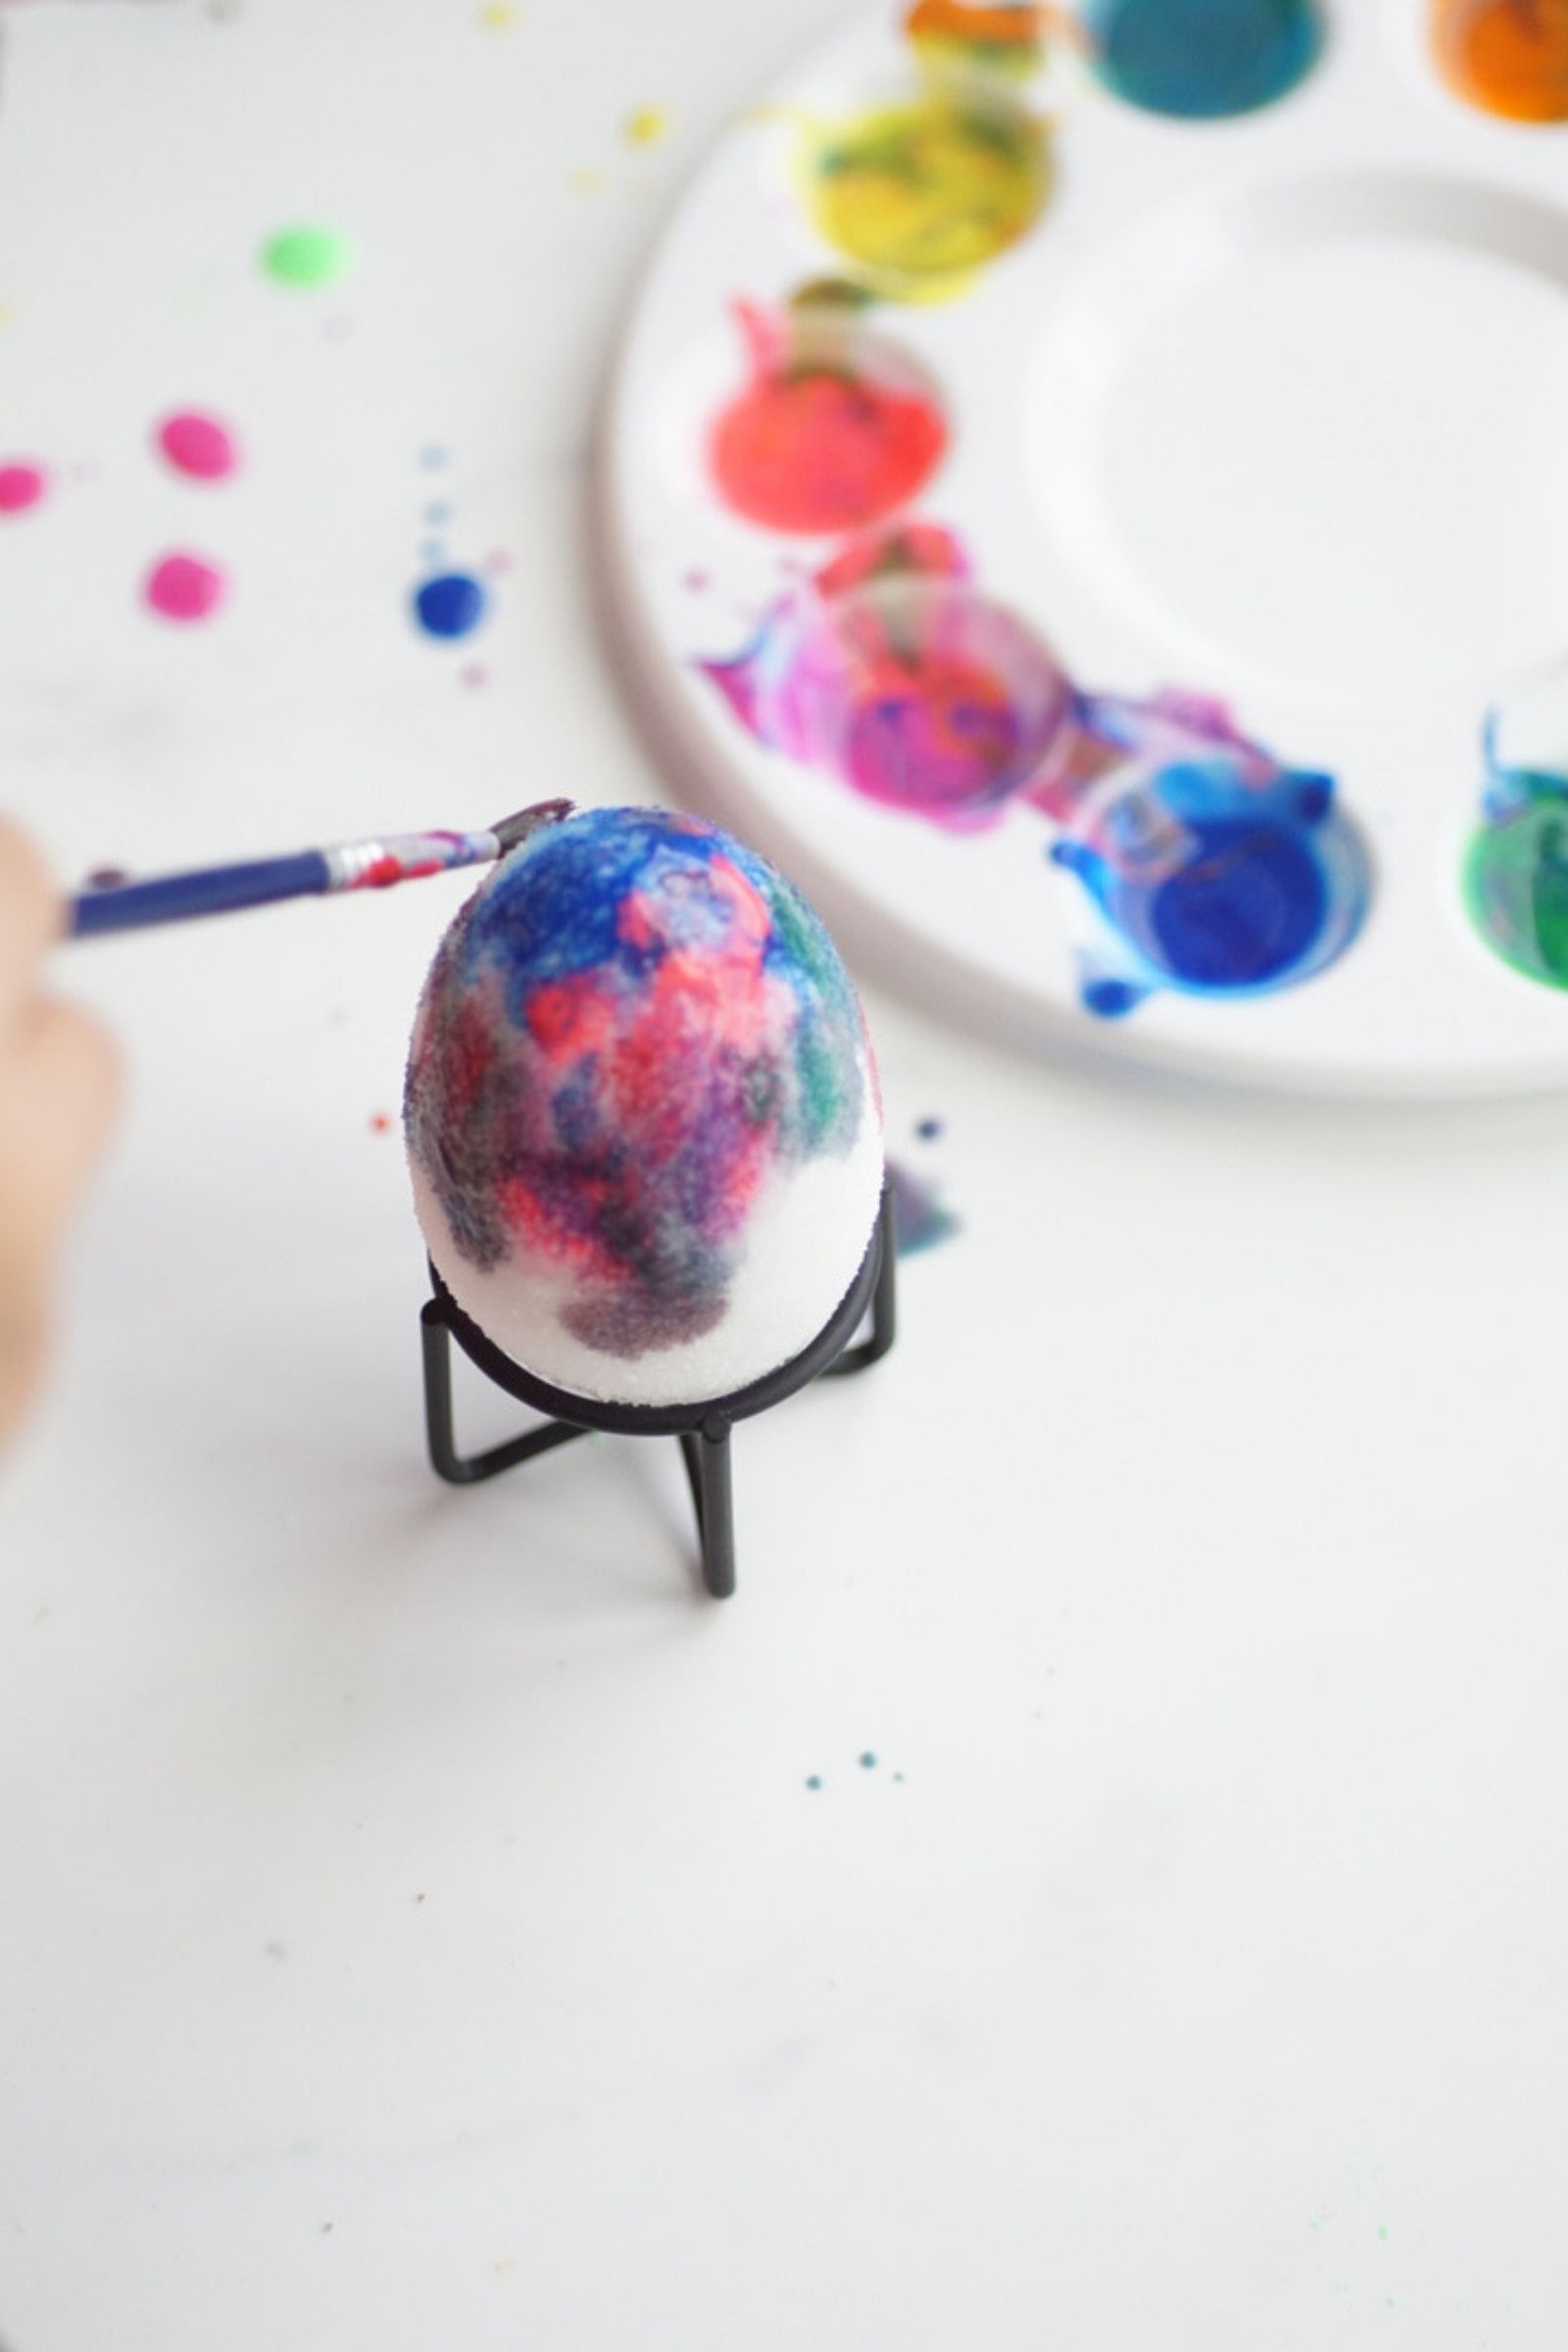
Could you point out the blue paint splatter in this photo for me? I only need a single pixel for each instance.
(1199, 59)
(869, 1761)
(929, 1130)
(452, 604)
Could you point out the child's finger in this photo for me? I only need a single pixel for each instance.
(61, 1083)
(29, 916)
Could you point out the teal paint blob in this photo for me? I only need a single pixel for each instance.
(1200, 60)
(815, 1781)
(868, 1762)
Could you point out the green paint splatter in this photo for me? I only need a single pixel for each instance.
(307, 256)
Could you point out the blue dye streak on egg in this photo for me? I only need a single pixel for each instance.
(1201, 58)
(452, 604)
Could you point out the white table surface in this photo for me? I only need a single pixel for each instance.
(415, 1930)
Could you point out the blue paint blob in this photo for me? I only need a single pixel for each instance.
(869, 1761)
(929, 1130)
(1244, 908)
(1200, 59)
(452, 604)
(1111, 1000)
(815, 1781)
(1213, 881)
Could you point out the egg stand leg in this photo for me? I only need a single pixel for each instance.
(466, 1470)
(884, 1299)
(705, 1452)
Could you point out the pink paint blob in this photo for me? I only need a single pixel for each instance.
(184, 588)
(22, 486)
(198, 445)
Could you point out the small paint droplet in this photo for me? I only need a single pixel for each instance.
(184, 588)
(930, 1131)
(21, 485)
(450, 606)
(645, 125)
(919, 1220)
(432, 455)
(438, 512)
(695, 581)
(307, 256)
(813, 1780)
(497, 564)
(198, 445)
(498, 15)
(380, 1122)
(587, 180)
(107, 877)
(869, 1761)
(474, 674)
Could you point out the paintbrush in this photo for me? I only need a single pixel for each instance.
(264, 881)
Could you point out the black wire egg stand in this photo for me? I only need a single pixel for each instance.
(702, 1428)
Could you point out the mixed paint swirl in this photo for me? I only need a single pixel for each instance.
(628, 1033)
(1202, 864)
(1205, 865)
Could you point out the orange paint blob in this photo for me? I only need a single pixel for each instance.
(1509, 57)
(817, 442)
(1007, 38)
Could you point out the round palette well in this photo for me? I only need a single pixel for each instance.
(1096, 550)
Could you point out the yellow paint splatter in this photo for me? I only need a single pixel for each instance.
(498, 15)
(923, 194)
(645, 125)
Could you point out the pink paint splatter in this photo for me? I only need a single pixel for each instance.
(380, 1122)
(21, 485)
(198, 445)
(184, 588)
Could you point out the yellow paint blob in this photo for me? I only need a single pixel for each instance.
(922, 194)
(645, 125)
(498, 15)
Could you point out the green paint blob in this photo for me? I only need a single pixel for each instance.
(1516, 889)
(307, 256)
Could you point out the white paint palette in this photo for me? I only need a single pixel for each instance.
(1266, 410)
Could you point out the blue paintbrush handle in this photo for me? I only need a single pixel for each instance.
(174, 898)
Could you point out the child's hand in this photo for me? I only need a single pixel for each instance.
(57, 1090)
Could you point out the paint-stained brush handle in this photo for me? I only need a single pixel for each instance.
(312, 873)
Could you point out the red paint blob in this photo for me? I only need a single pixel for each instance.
(199, 446)
(22, 486)
(822, 447)
(184, 588)
(380, 1123)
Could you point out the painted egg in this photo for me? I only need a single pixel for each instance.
(641, 1111)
